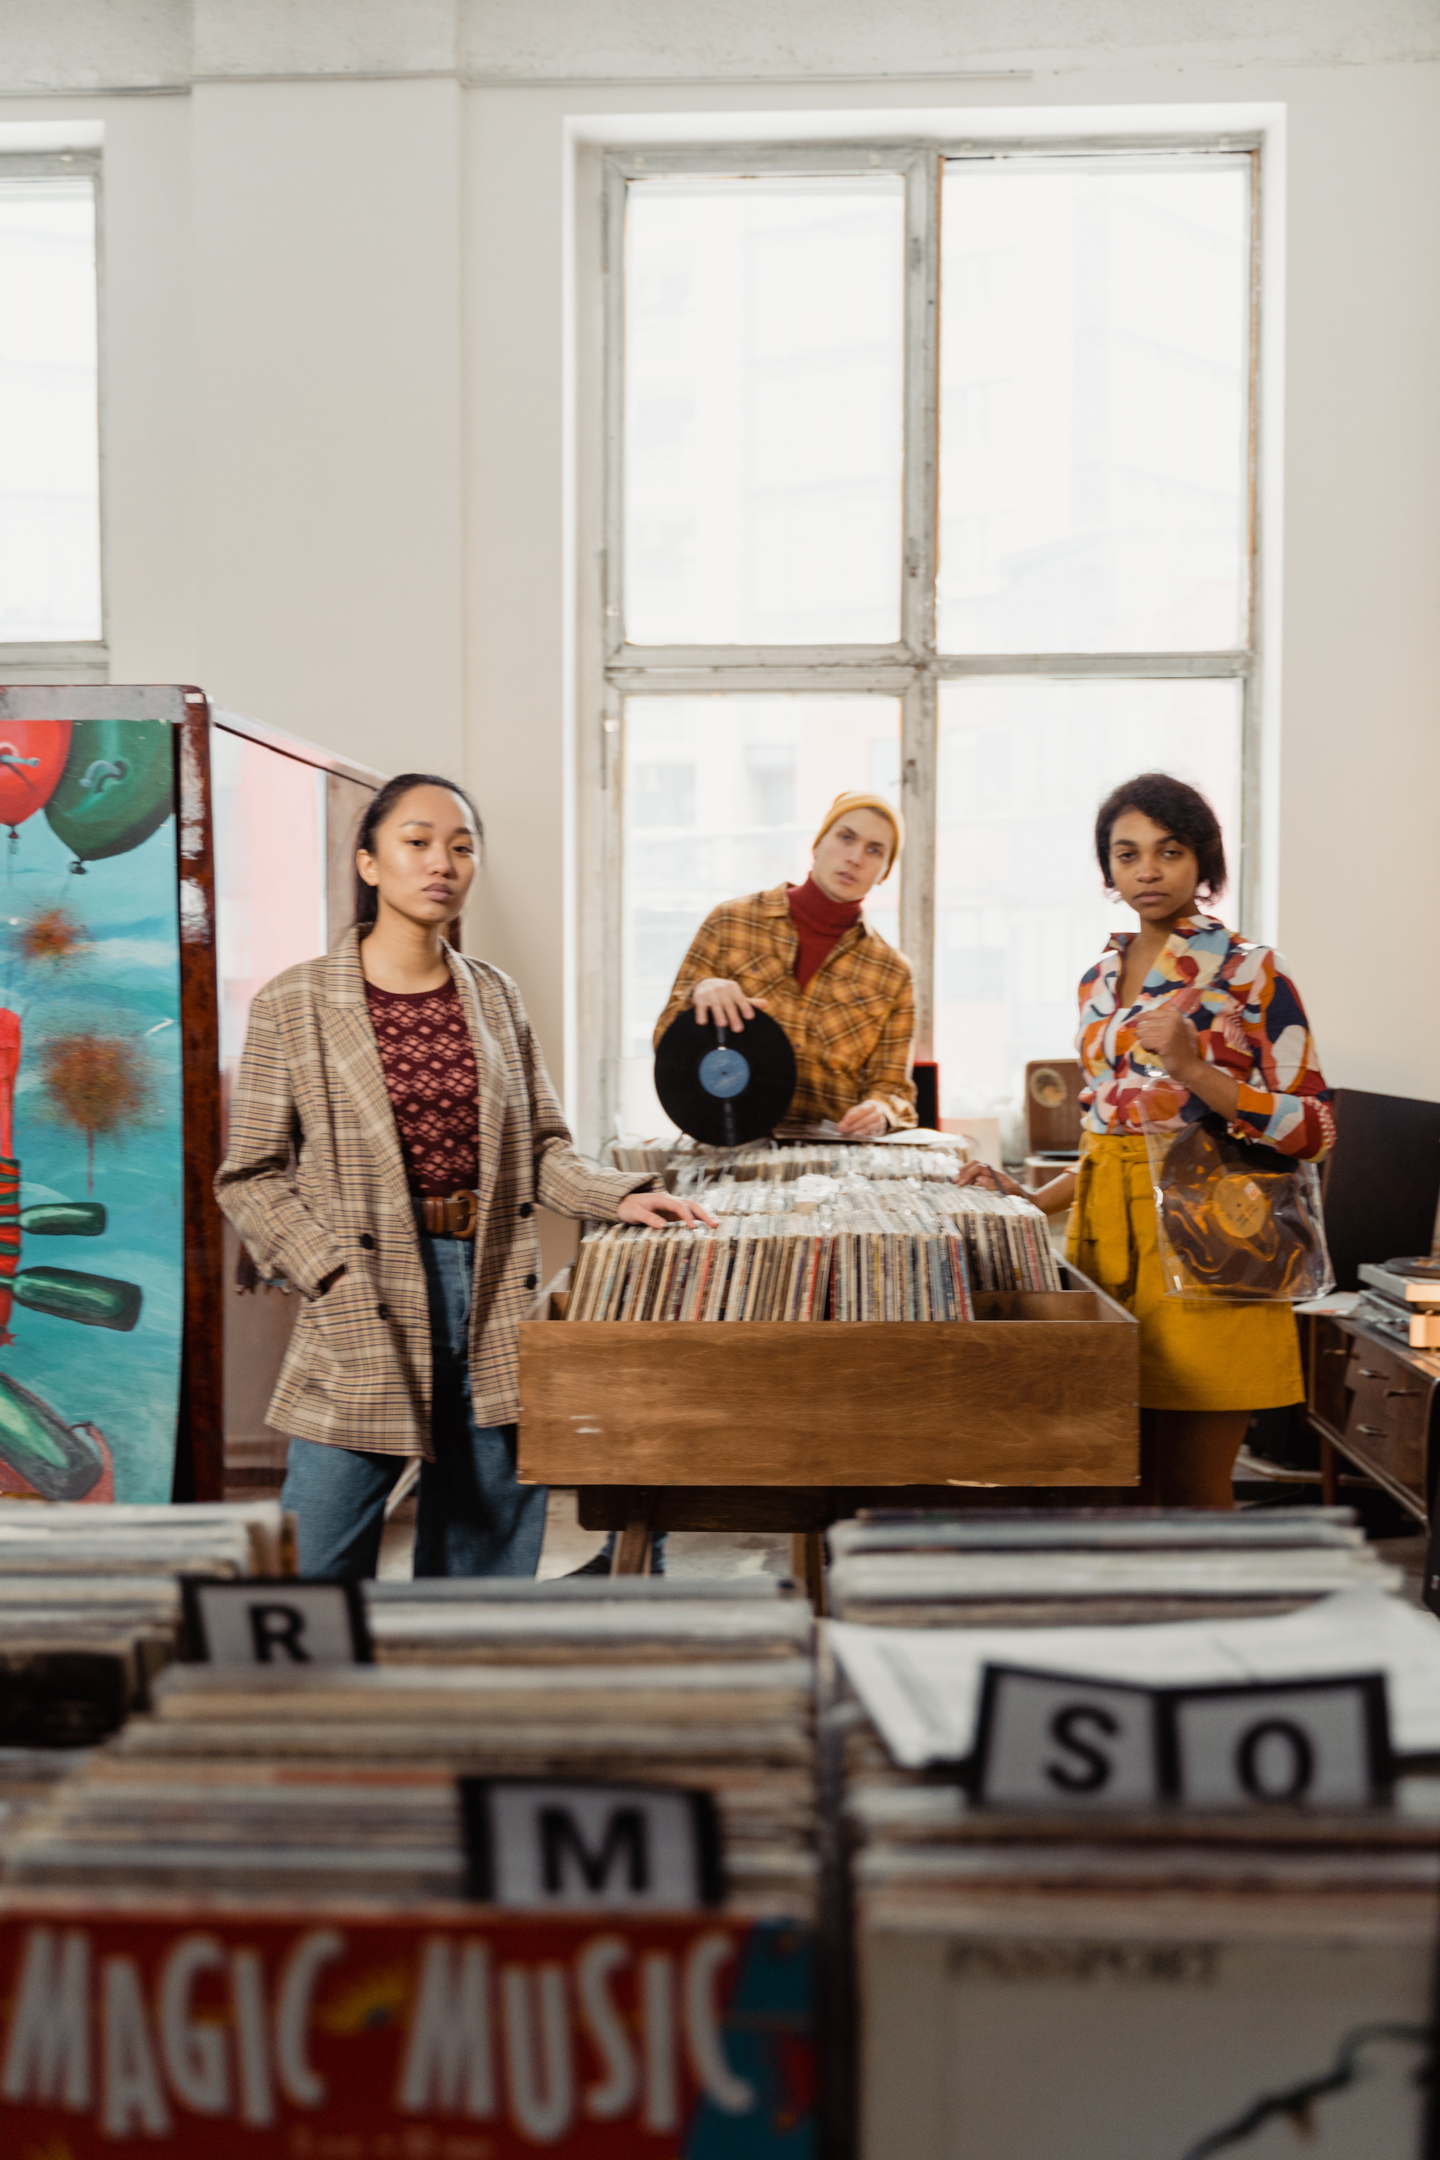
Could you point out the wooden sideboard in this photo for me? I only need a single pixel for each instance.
(1373, 1401)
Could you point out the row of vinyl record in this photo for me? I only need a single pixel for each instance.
(851, 1258)
(691, 1166)
(125, 1769)
(1211, 1973)
(1206, 1983)
(686, 1164)
(767, 1268)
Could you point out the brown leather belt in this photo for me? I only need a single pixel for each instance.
(455, 1217)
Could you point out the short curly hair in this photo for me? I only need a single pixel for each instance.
(1181, 809)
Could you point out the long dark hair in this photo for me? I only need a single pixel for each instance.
(1181, 809)
(382, 802)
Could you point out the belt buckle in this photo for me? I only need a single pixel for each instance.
(468, 1207)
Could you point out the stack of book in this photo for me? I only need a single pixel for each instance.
(341, 1781)
(820, 1248)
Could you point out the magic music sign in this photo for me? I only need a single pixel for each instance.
(447, 2035)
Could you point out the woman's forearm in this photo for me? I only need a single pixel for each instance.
(1218, 1090)
(1054, 1198)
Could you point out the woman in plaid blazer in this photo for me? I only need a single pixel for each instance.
(413, 1289)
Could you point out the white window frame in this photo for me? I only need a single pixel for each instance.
(911, 668)
(69, 660)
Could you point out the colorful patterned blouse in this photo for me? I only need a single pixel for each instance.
(1250, 1022)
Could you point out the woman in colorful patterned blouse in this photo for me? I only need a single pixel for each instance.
(1182, 999)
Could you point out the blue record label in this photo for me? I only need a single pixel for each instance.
(724, 1073)
(718, 1093)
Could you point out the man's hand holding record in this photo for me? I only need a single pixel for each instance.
(723, 1087)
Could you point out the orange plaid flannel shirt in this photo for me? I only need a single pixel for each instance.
(851, 1026)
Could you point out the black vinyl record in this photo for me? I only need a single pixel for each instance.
(721, 1087)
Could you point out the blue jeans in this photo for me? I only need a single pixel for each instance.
(657, 1550)
(474, 1517)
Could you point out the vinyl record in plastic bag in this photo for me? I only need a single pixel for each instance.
(1237, 1220)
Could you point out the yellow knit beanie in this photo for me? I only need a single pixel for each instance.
(845, 803)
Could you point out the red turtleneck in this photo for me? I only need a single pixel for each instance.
(821, 923)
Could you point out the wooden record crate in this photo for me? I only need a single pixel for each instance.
(1041, 1388)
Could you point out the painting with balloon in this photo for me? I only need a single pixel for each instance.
(91, 1123)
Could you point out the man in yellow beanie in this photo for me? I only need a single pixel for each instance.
(805, 955)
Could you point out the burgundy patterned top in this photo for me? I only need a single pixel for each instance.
(429, 1065)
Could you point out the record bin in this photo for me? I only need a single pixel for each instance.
(1040, 1389)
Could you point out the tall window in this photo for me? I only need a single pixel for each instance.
(49, 407)
(931, 474)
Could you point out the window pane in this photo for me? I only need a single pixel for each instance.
(1094, 408)
(1020, 908)
(723, 796)
(764, 348)
(49, 427)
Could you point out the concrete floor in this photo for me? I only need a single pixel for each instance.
(703, 1552)
(567, 1547)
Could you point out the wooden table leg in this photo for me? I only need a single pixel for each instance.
(807, 1565)
(1329, 1473)
(632, 1550)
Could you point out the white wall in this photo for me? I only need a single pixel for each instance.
(1360, 735)
(339, 355)
(328, 410)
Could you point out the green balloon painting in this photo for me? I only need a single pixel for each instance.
(117, 788)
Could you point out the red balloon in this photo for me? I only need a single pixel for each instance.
(32, 758)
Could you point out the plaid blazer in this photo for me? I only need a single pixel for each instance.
(314, 1180)
(851, 1026)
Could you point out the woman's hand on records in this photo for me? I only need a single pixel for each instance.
(980, 1173)
(653, 1210)
(1051, 1199)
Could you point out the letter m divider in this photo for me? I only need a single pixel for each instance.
(625, 1835)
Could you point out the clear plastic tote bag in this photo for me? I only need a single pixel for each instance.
(1237, 1220)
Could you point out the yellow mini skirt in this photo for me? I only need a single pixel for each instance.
(1194, 1354)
